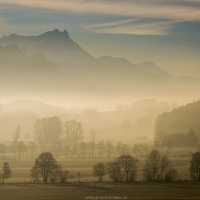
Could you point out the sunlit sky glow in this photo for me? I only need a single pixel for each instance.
(166, 32)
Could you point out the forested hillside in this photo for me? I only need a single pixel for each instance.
(179, 121)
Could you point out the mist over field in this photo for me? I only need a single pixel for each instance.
(99, 99)
(82, 117)
(51, 67)
(51, 75)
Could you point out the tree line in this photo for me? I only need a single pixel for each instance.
(156, 168)
(179, 120)
(64, 141)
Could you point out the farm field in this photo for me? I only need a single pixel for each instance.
(132, 191)
(21, 169)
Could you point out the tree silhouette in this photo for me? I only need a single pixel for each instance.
(73, 131)
(99, 171)
(171, 175)
(164, 166)
(6, 171)
(151, 168)
(114, 170)
(129, 165)
(48, 130)
(20, 148)
(195, 167)
(15, 137)
(62, 174)
(35, 173)
(3, 150)
(157, 168)
(45, 166)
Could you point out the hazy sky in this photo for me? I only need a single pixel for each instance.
(166, 32)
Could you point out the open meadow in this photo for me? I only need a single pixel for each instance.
(20, 186)
(21, 169)
(132, 191)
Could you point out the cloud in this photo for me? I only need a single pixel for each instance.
(109, 24)
(136, 8)
(130, 28)
(132, 11)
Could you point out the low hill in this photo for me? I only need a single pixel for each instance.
(180, 120)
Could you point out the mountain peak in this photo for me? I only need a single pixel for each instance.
(56, 34)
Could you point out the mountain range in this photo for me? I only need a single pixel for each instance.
(53, 63)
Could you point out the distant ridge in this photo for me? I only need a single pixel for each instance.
(68, 67)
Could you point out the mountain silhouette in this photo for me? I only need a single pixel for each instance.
(29, 73)
(54, 60)
(60, 49)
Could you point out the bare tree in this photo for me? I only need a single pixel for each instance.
(101, 148)
(48, 130)
(16, 137)
(92, 143)
(3, 150)
(6, 171)
(35, 173)
(62, 174)
(92, 148)
(122, 148)
(158, 136)
(164, 166)
(109, 148)
(73, 131)
(99, 170)
(157, 168)
(83, 149)
(195, 167)
(115, 172)
(129, 165)
(32, 147)
(46, 165)
(152, 165)
(20, 148)
(171, 175)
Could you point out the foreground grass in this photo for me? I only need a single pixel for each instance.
(138, 190)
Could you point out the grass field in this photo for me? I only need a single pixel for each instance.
(21, 169)
(19, 186)
(70, 191)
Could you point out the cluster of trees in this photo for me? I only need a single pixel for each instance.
(157, 167)
(180, 120)
(195, 167)
(49, 134)
(103, 149)
(181, 140)
(124, 168)
(18, 150)
(21, 150)
(49, 131)
(48, 169)
(177, 140)
(66, 139)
